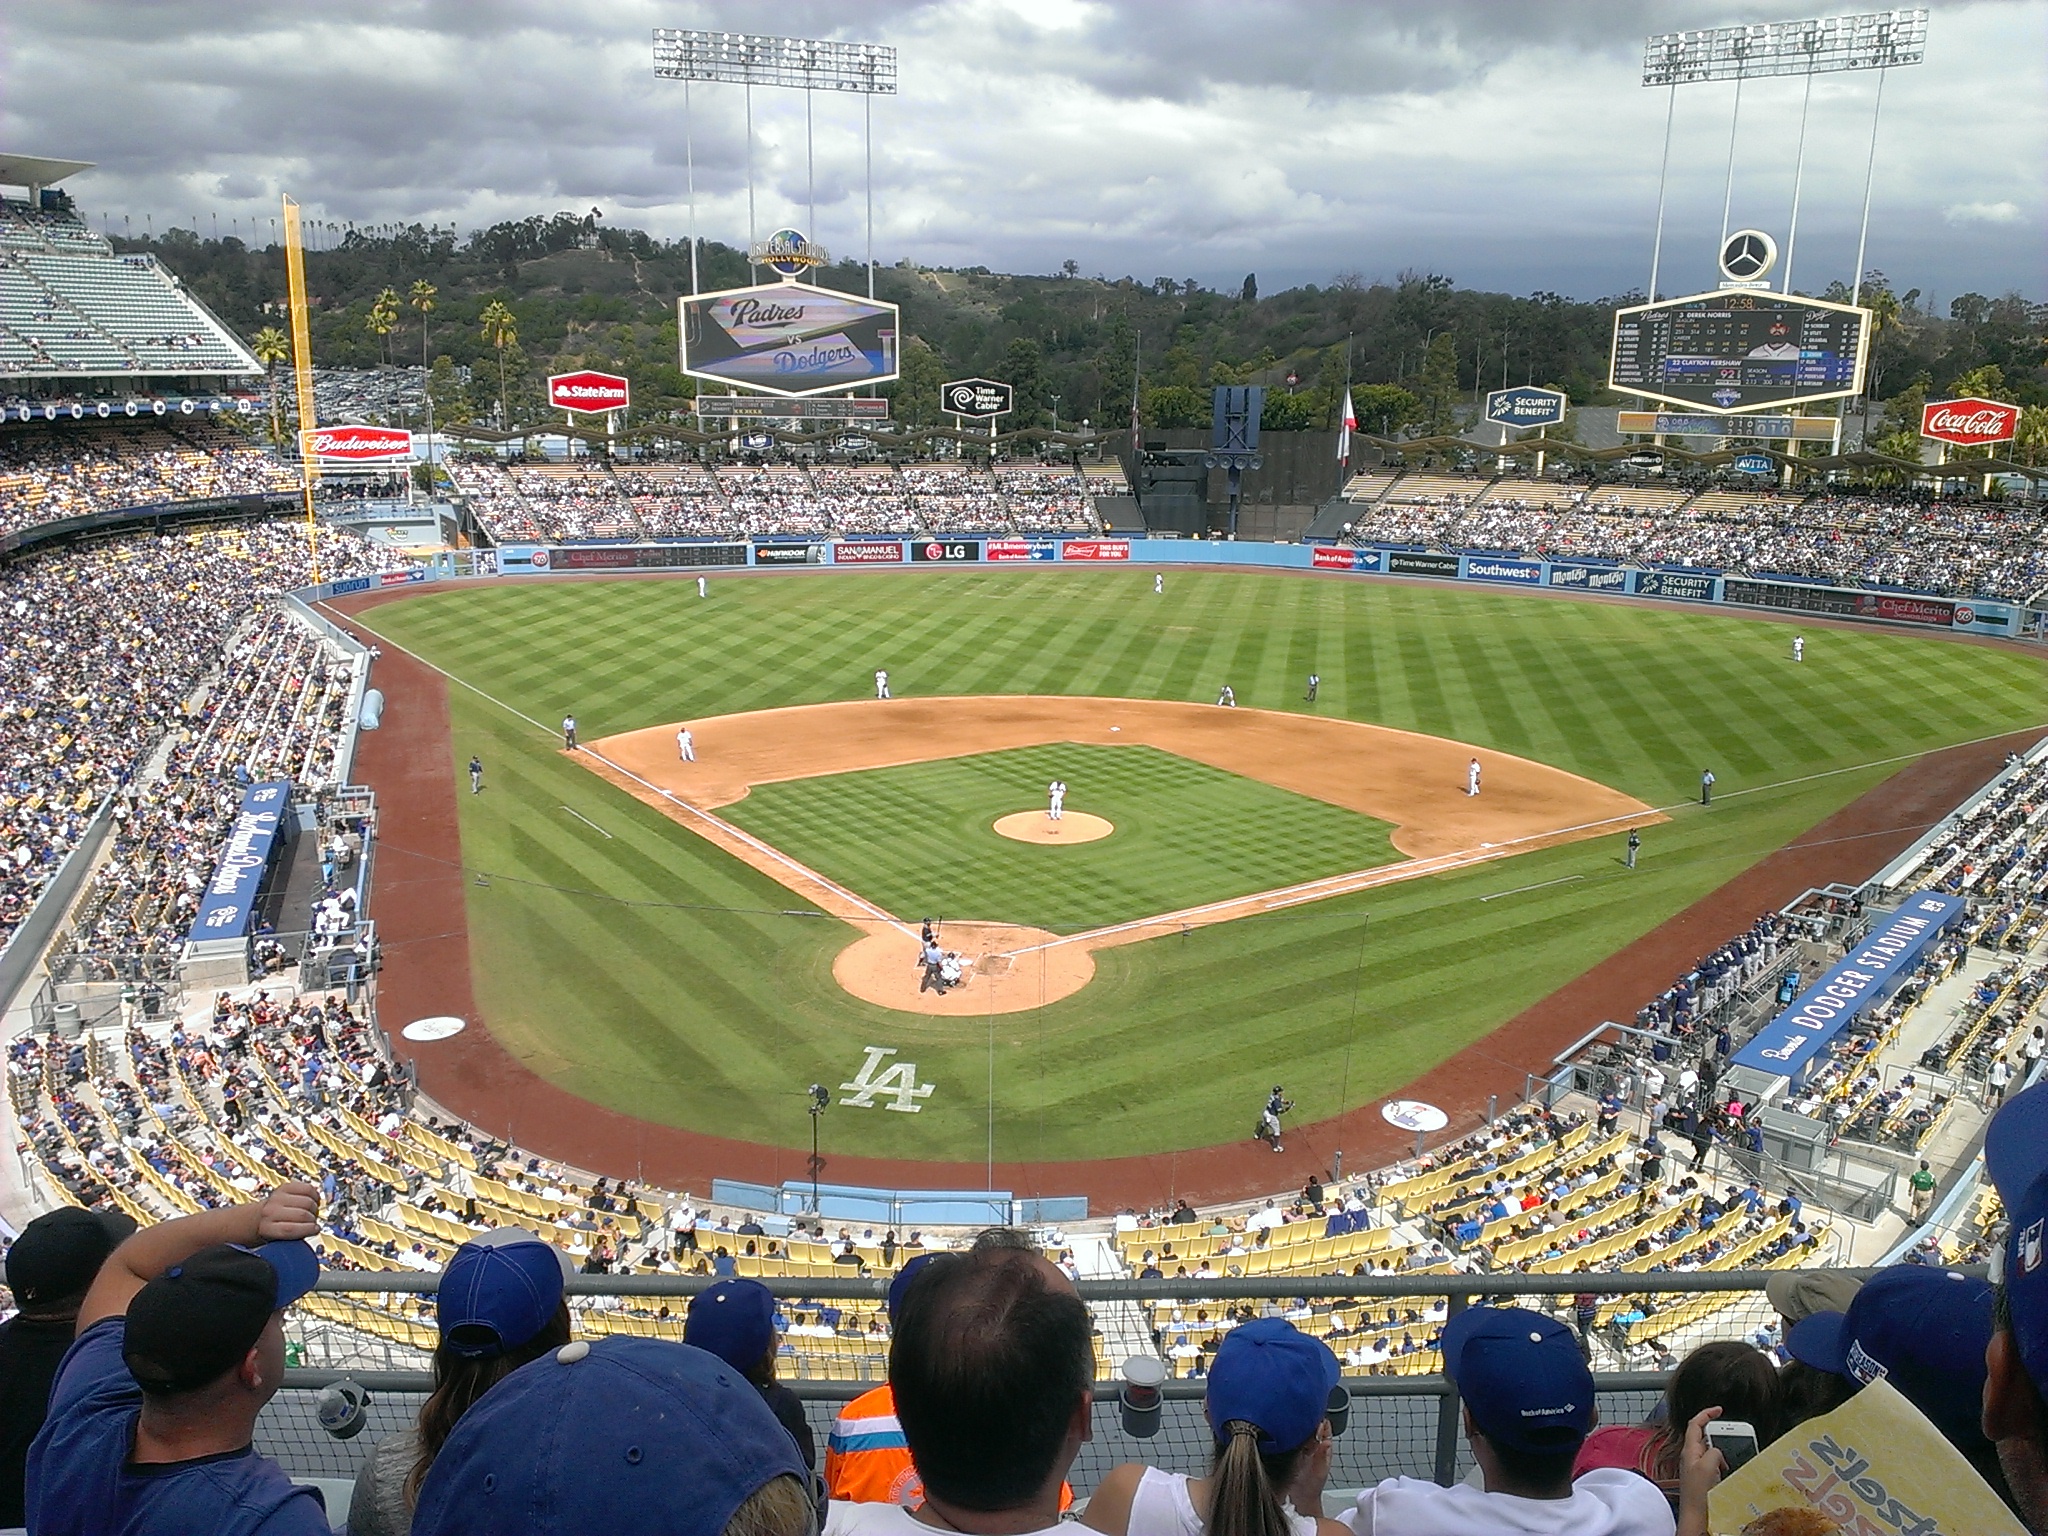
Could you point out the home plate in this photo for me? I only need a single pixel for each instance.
(439, 1027)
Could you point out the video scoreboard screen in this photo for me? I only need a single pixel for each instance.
(1739, 351)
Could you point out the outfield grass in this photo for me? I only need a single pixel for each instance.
(654, 974)
(918, 839)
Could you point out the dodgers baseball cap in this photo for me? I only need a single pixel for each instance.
(59, 1254)
(611, 1434)
(1521, 1375)
(498, 1292)
(734, 1320)
(1271, 1374)
(1924, 1330)
(193, 1323)
(900, 1286)
(2016, 1154)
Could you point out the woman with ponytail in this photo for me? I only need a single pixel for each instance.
(1268, 1407)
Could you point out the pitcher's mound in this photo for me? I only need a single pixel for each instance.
(1037, 827)
(1007, 970)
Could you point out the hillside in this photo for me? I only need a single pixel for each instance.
(585, 294)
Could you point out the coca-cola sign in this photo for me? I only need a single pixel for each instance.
(588, 390)
(356, 444)
(1969, 423)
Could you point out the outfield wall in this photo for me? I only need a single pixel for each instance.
(1705, 587)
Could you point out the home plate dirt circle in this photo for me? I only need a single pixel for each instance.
(1037, 827)
(1006, 970)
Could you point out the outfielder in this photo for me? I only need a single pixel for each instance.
(1158, 581)
(703, 587)
(1315, 681)
(881, 684)
(1472, 777)
(476, 775)
(1799, 647)
(686, 745)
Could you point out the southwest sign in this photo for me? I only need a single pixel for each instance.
(1525, 407)
(1969, 423)
(356, 444)
(588, 390)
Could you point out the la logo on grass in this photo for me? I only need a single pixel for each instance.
(898, 1082)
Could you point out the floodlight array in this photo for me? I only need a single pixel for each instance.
(743, 58)
(1825, 45)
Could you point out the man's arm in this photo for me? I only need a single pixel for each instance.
(290, 1211)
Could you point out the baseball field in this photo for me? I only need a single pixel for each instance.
(1288, 892)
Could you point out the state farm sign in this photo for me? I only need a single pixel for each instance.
(356, 444)
(588, 390)
(1969, 423)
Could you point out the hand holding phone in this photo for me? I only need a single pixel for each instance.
(1735, 1440)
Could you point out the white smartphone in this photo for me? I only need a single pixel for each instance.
(1735, 1440)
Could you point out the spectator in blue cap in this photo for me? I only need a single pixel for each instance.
(1268, 1407)
(735, 1320)
(1924, 1330)
(619, 1437)
(2016, 1363)
(180, 1345)
(1528, 1407)
(500, 1306)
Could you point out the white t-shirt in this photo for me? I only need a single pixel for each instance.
(846, 1519)
(1605, 1502)
(1160, 1506)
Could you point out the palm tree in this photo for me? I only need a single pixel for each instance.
(501, 329)
(384, 319)
(272, 347)
(422, 299)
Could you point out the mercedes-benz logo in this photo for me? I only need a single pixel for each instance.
(1749, 253)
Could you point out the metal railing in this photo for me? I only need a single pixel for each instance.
(1400, 1424)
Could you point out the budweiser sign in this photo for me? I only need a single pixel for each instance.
(1969, 423)
(588, 391)
(356, 444)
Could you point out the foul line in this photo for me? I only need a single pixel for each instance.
(1539, 886)
(584, 819)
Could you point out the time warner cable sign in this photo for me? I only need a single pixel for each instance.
(1789, 1045)
(788, 338)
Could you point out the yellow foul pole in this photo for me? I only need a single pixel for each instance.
(302, 372)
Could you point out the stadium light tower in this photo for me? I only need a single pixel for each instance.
(795, 63)
(1879, 40)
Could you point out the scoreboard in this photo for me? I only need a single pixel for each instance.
(1739, 350)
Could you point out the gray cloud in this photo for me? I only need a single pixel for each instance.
(1509, 145)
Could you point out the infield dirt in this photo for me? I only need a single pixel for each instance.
(1415, 782)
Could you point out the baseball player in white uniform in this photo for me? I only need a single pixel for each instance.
(703, 587)
(1799, 647)
(881, 684)
(686, 745)
(1158, 581)
(1227, 697)
(1055, 799)
(1472, 777)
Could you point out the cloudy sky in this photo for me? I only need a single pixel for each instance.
(1507, 144)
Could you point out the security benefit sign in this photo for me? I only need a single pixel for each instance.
(1526, 407)
(228, 901)
(788, 339)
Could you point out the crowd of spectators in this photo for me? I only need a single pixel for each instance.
(652, 500)
(1965, 548)
(48, 473)
(107, 646)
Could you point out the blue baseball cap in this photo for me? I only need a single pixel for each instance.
(734, 1320)
(193, 1323)
(1271, 1374)
(1522, 1376)
(611, 1434)
(2016, 1154)
(1921, 1328)
(498, 1292)
(901, 1284)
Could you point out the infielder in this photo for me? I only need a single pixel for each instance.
(1227, 698)
(1799, 647)
(569, 732)
(881, 684)
(1055, 800)
(1315, 681)
(1472, 777)
(686, 745)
